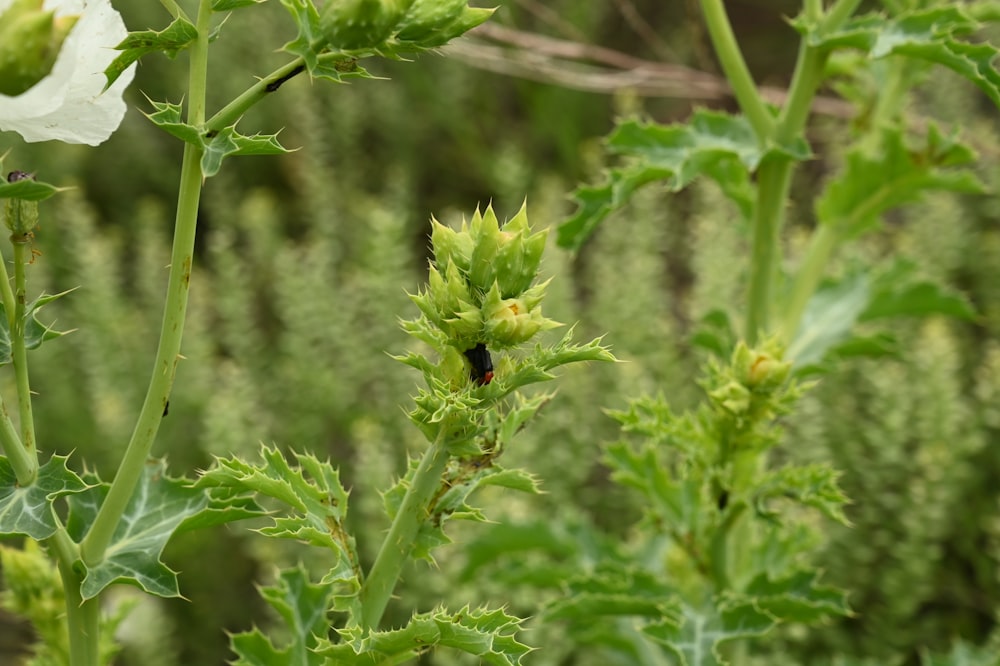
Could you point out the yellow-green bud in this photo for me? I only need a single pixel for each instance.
(450, 246)
(485, 231)
(30, 39)
(510, 321)
(733, 397)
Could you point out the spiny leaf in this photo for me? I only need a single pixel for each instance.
(675, 501)
(797, 598)
(811, 485)
(304, 607)
(897, 292)
(314, 495)
(35, 332)
(925, 34)
(716, 145)
(170, 41)
(486, 634)
(159, 507)
(695, 639)
(27, 189)
(871, 184)
(228, 142)
(28, 509)
(616, 590)
(168, 117)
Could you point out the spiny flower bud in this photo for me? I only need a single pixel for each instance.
(430, 23)
(30, 40)
(512, 321)
(360, 24)
(480, 288)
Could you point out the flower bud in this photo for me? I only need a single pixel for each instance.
(733, 397)
(359, 24)
(485, 231)
(510, 321)
(30, 39)
(431, 23)
(450, 246)
(20, 216)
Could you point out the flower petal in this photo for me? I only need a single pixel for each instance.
(69, 105)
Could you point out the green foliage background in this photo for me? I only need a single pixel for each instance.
(305, 261)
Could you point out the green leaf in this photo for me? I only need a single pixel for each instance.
(829, 317)
(925, 34)
(28, 510)
(304, 607)
(675, 501)
(168, 118)
(713, 144)
(871, 184)
(171, 40)
(696, 637)
(35, 332)
(616, 590)
(316, 500)
(898, 294)
(228, 142)
(715, 333)
(798, 598)
(486, 634)
(27, 189)
(811, 485)
(159, 507)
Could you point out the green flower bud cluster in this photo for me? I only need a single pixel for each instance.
(753, 387)
(30, 40)
(481, 285)
(408, 24)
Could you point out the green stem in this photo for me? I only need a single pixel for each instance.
(82, 618)
(821, 247)
(773, 179)
(395, 550)
(735, 68)
(22, 461)
(840, 12)
(168, 350)
(229, 114)
(19, 351)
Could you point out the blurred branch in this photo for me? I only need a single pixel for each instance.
(597, 69)
(642, 28)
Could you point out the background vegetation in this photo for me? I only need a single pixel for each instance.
(306, 260)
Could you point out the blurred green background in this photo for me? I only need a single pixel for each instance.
(304, 262)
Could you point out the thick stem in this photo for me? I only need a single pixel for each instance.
(735, 68)
(773, 179)
(168, 350)
(395, 550)
(19, 351)
(82, 618)
(23, 462)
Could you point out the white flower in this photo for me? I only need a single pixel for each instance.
(69, 105)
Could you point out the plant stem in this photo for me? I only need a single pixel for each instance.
(19, 351)
(229, 114)
(23, 462)
(82, 618)
(398, 543)
(168, 350)
(821, 247)
(735, 69)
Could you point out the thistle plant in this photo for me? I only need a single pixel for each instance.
(482, 299)
(724, 552)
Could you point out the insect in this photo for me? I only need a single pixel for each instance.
(482, 364)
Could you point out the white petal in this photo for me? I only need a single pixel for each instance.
(68, 105)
